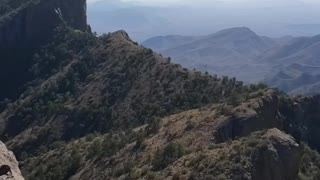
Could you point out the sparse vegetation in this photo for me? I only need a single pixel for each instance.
(166, 156)
(309, 168)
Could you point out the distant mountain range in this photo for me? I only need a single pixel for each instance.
(184, 19)
(289, 63)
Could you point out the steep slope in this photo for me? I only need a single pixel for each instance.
(230, 142)
(34, 20)
(26, 26)
(86, 85)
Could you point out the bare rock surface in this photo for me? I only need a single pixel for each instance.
(9, 169)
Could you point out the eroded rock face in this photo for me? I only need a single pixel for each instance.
(9, 169)
(257, 114)
(302, 115)
(311, 120)
(34, 23)
(279, 160)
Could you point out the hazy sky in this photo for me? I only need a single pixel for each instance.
(212, 2)
(146, 18)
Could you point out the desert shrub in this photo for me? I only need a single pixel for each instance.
(224, 110)
(166, 156)
(153, 127)
(309, 166)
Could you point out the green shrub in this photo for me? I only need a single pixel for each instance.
(166, 156)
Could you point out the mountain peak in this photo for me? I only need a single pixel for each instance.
(121, 34)
(237, 31)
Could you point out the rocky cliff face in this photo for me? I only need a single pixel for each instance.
(26, 29)
(35, 22)
(9, 169)
(256, 114)
(302, 117)
(278, 160)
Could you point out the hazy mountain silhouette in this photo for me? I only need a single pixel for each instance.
(287, 62)
(225, 52)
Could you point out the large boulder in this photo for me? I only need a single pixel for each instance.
(9, 168)
(279, 160)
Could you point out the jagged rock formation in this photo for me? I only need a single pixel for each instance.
(303, 117)
(255, 115)
(277, 161)
(9, 168)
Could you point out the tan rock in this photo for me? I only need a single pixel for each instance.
(9, 168)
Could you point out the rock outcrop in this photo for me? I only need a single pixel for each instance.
(9, 169)
(278, 160)
(254, 115)
(269, 154)
(306, 111)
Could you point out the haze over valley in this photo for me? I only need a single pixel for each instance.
(250, 40)
(144, 19)
(288, 63)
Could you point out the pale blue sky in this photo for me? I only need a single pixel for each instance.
(200, 17)
(230, 2)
